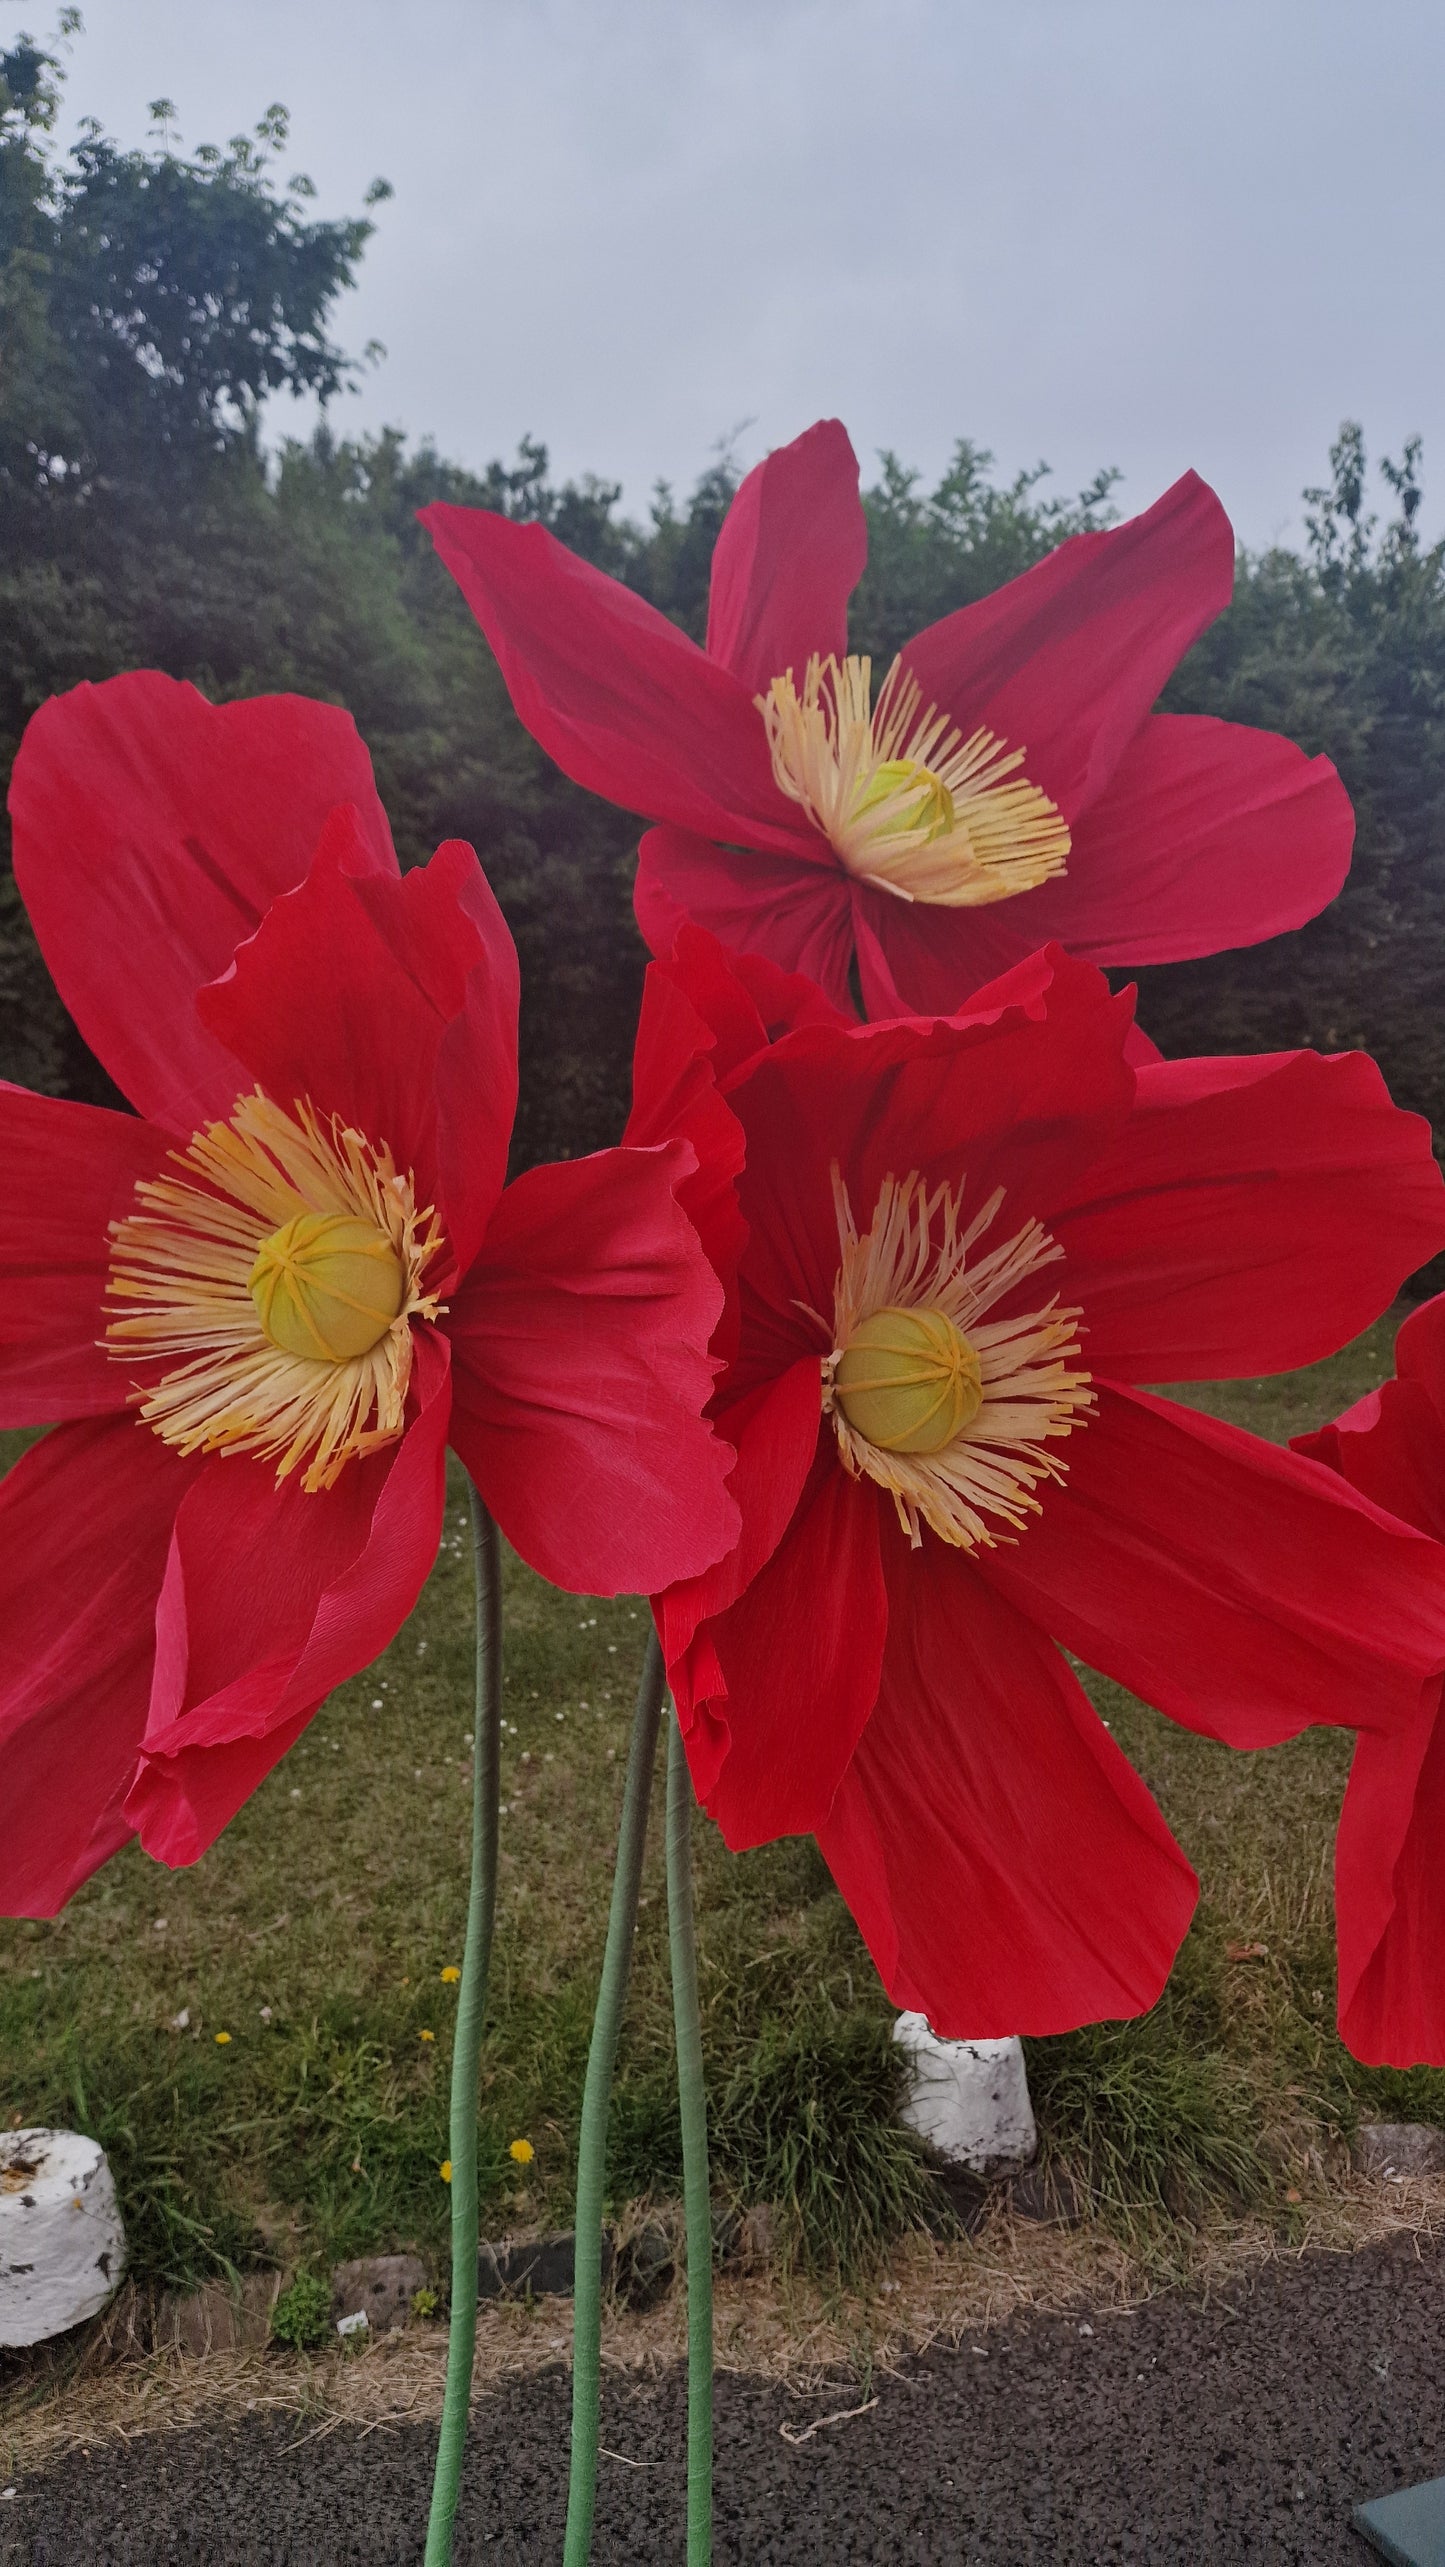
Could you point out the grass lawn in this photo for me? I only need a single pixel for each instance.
(315, 1933)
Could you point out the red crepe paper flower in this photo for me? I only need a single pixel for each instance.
(265, 1303)
(1003, 785)
(958, 1249)
(1390, 1858)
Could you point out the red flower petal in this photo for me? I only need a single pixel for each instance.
(798, 913)
(1065, 662)
(918, 960)
(675, 1098)
(394, 1005)
(85, 1524)
(736, 1005)
(1013, 1100)
(271, 1598)
(581, 1373)
(1228, 1583)
(1390, 1896)
(705, 1015)
(774, 1433)
(1391, 1444)
(784, 1000)
(1420, 1350)
(1253, 1215)
(944, 976)
(1208, 835)
(152, 830)
(70, 1170)
(622, 700)
(800, 1653)
(791, 552)
(1389, 1879)
(1390, 1447)
(1140, 1050)
(1008, 1869)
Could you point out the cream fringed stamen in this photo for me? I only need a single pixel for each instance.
(1020, 1385)
(903, 799)
(285, 1232)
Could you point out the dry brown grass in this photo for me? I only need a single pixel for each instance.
(797, 2333)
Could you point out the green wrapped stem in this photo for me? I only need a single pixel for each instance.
(697, 2190)
(466, 2048)
(596, 2105)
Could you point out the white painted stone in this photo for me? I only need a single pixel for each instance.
(968, 2099)
(62, 2246)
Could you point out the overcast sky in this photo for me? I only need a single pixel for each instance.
(1094, 231)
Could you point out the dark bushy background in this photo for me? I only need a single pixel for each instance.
(149, 301)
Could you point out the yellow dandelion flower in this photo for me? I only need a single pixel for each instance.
(446, 2170)
(221, 2040)
(523, 2151)
(450, 1976)
(427, 2036)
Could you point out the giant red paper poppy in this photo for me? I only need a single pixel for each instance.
(991, 1226)
(1390, 1859)
(1006, 783)
(263, 1305)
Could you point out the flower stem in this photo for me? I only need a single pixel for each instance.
(466, 2048)
(596, 2102)
(697, 2191)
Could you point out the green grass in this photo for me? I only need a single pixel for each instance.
(315, 1931)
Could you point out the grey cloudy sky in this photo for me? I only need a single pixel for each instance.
(1143, 232)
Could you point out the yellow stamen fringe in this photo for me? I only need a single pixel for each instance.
(987, 838)
(917, 1257)
(180, 1278)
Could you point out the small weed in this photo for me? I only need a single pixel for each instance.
(301, 2318)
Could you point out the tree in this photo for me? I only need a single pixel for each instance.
(152, 300)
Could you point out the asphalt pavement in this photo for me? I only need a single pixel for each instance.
(1238, 2428)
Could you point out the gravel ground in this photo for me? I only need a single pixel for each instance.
(1241, 2428)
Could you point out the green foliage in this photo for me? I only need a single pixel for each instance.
(1155, 2124)
(808, 2122)
(301, 2317)
(802, 2120)
(152, 2107)
(344, 2134)
(153, 300)
(930, 552)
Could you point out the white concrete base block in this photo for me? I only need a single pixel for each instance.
(62, 2246)
(968, 2099)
